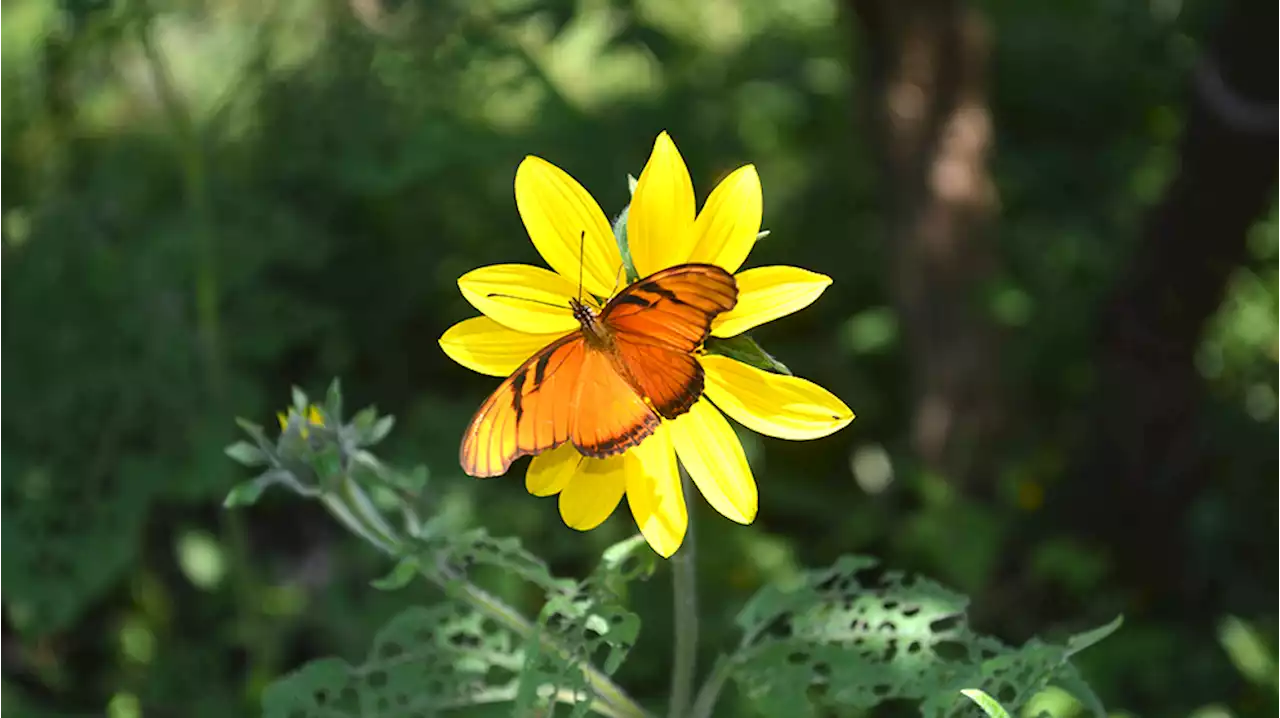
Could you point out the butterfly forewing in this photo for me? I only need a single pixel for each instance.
(659, 321)
(528, 412)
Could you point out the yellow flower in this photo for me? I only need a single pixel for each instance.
(663, 230)
(313, 418)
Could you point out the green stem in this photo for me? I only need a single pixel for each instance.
(352, 507)
(685, 592)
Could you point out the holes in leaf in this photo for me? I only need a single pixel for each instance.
(464, 641)
(945, 624)
(891, 651)
(348, 699)
(390, 651)
(377, 679)
(950, 650)
(498, 676)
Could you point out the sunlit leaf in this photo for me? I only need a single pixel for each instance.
(989, 705)
(851, 637)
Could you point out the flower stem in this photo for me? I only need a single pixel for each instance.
(352, 507)
(685, 593)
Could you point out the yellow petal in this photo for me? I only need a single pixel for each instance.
(766, 293)
(661, 214)
(729, 222)
(593, 492)
(521, 297)
(483, 345)
(654, 493)
(550, 471)
(556, 211)
(713, 456)
(786, 407)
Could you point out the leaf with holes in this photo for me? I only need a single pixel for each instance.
(451, 556)
(590, 626)
(423, 662)
(854, 636)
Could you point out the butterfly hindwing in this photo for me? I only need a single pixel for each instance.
(609, 416)
(659, 321)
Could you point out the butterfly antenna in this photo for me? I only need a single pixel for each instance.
(582, 246)
(492, 295)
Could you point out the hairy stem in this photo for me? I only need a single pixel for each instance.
(685, 592)
(352, 507)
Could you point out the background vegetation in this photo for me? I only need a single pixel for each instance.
(1052, 229)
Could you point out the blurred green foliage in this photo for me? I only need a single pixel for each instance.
(211, 201)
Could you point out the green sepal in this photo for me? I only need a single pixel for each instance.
(745, 349)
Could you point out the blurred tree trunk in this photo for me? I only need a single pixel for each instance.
(1143, 465)
(924, 90)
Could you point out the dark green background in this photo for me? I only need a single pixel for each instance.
(210, 201)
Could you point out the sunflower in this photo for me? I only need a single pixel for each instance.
(570, 231)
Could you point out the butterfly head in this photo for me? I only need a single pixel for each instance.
(587, 317)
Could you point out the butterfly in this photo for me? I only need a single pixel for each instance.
(608, 385)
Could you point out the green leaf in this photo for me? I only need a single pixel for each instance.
(1069, 680)
(848, 637)
(457, 553)
(1081, 641)
(631, 184)
(244, 494)
(247, 493)
(379, 430)
(746, 350)
(614, 556)
(590, 622)
(399, 577)
(245, 453)
(988, 704)
(424, 662)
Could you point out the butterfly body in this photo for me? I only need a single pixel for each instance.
(607, 386)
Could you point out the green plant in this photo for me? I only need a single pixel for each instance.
(848, 635)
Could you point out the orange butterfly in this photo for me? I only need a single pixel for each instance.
(607, 386)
